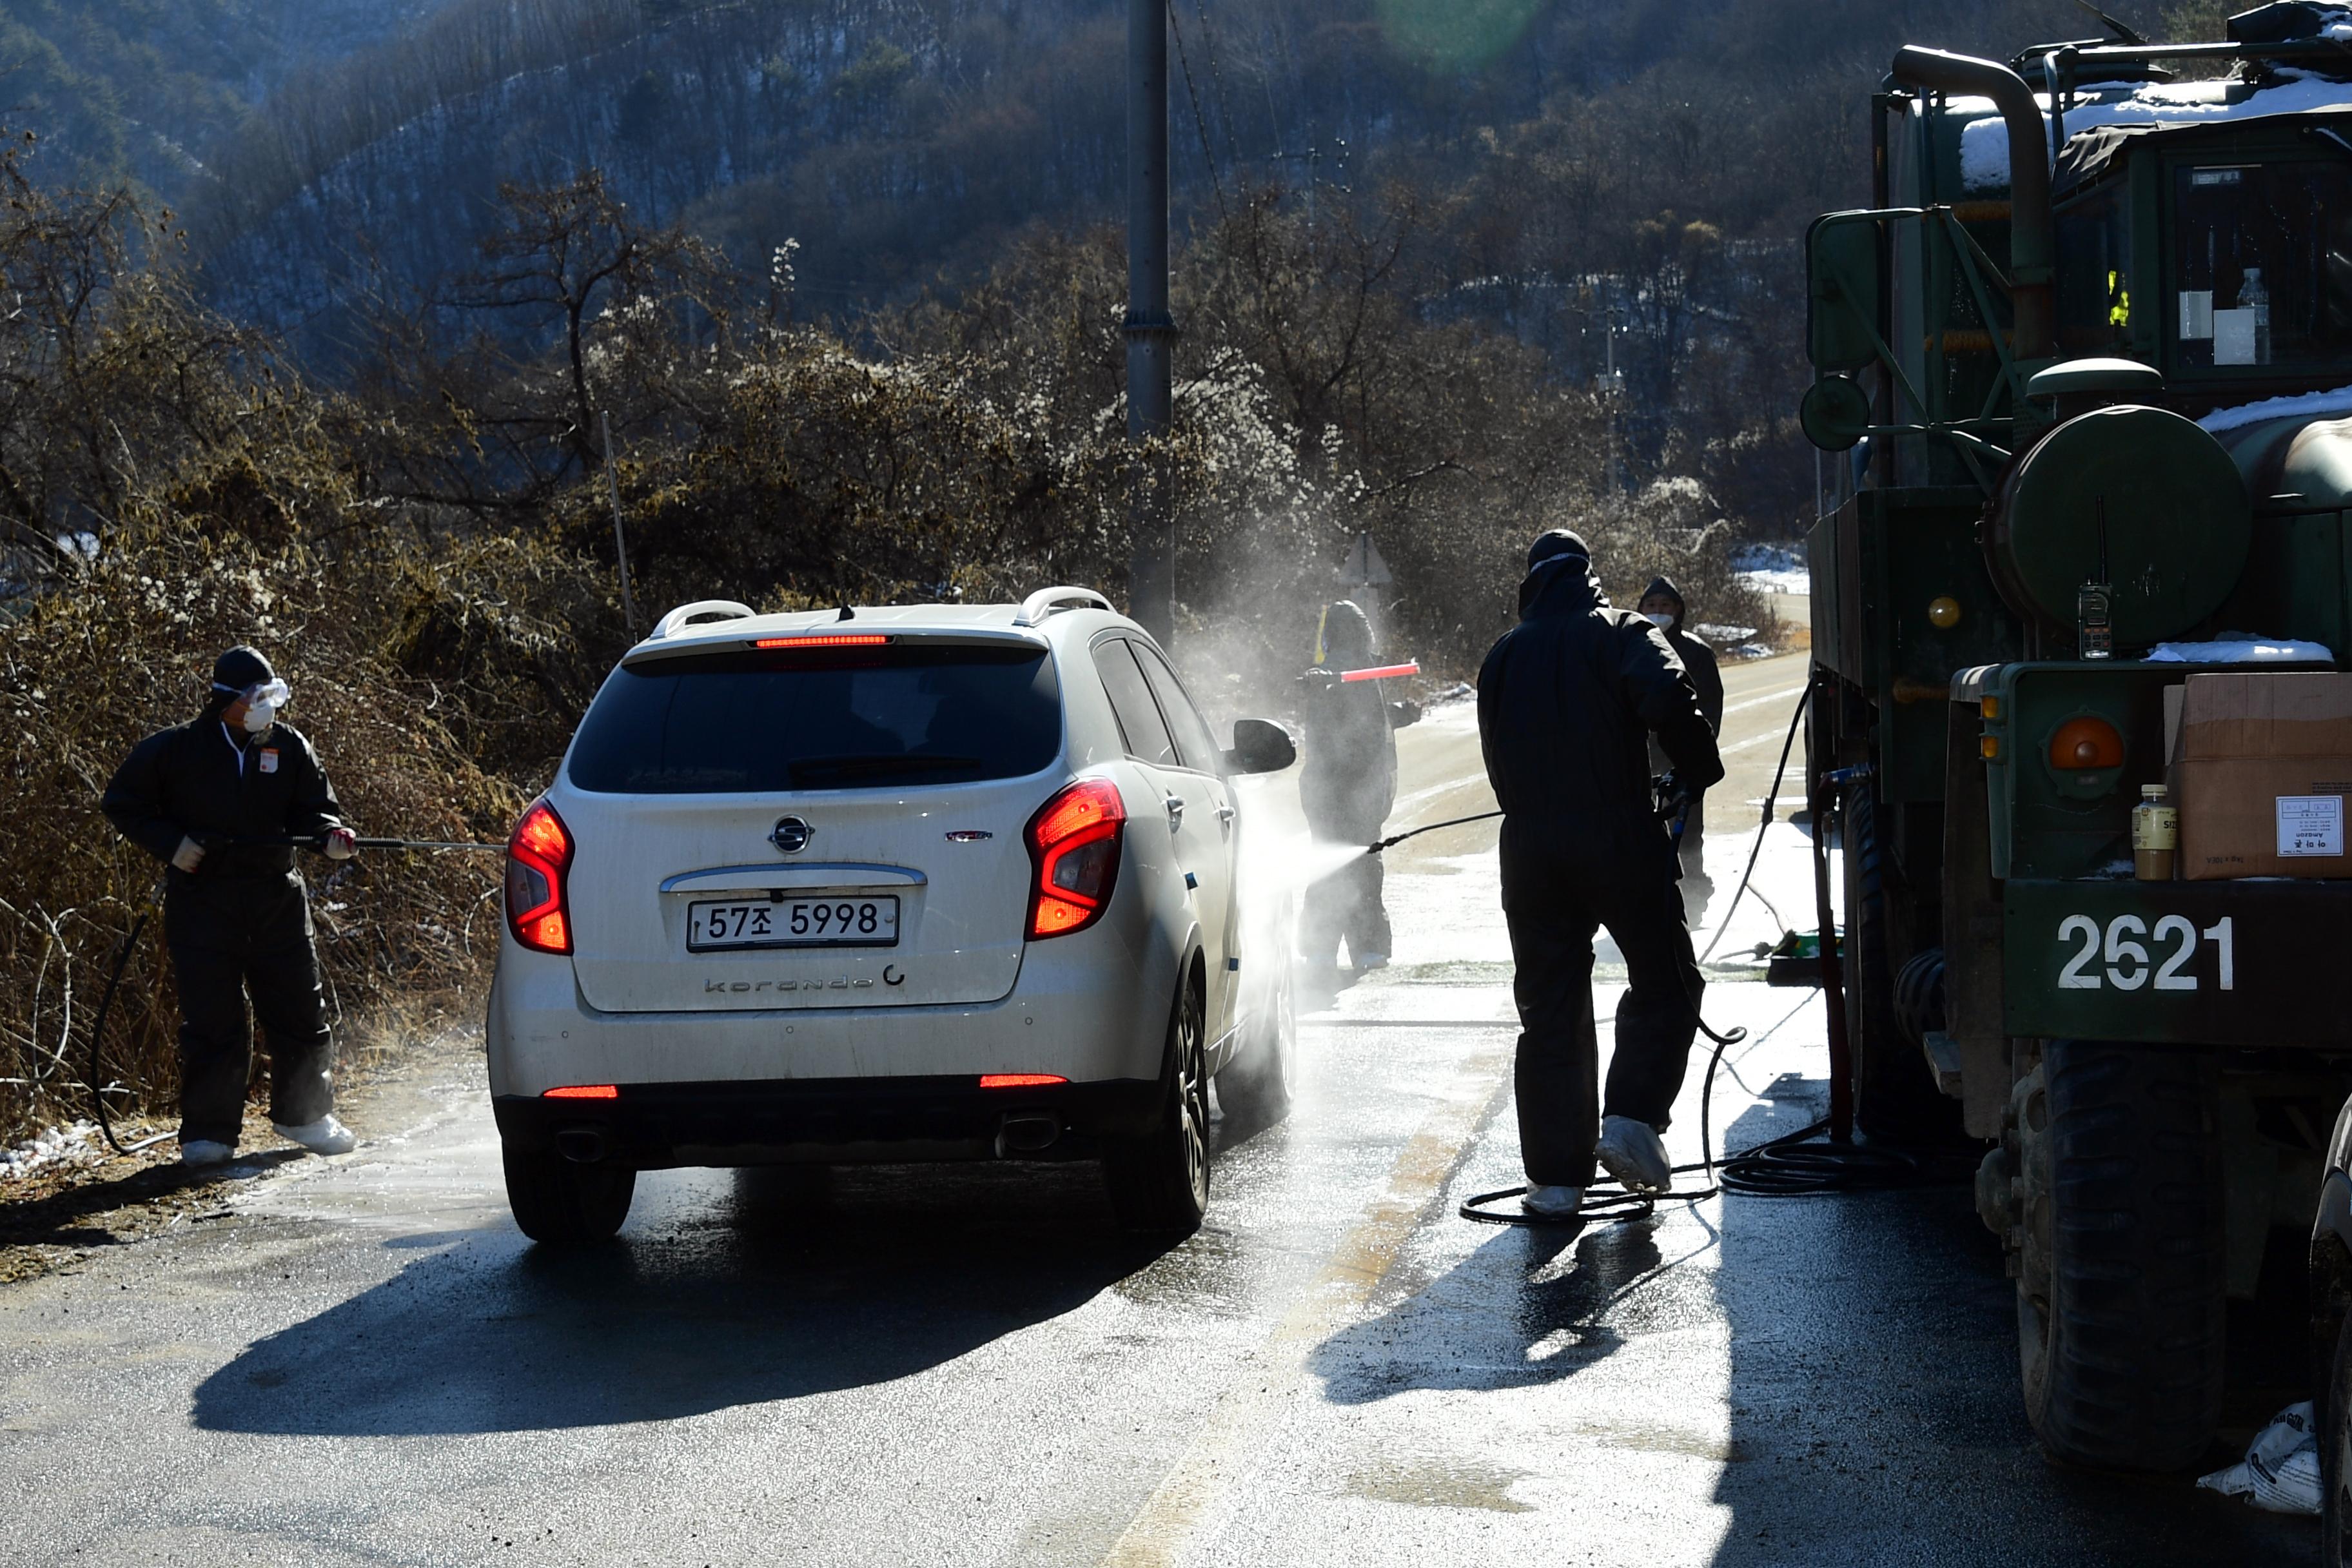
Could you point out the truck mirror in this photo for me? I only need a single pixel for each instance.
(1835, 412)
(1843, 327)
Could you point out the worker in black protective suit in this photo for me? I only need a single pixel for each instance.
(1662, 604)
(1346, 788)
(1567, 700)
(237, 916)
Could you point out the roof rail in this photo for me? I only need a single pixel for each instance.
(1046, 601)
(679, 619)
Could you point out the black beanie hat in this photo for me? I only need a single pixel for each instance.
(1556, 541)
(241, 668)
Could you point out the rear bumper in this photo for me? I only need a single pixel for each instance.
(830, 1120)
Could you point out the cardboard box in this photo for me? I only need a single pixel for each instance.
(2261, 771)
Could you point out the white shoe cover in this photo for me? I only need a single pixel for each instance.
(1633, 1152)
(1552, 1203)
(324, 1136)
(205, 1151)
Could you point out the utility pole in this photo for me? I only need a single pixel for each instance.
(1150, 331)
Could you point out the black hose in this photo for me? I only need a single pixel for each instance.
(1396, 839)
(92, 1078)
(1771, 797)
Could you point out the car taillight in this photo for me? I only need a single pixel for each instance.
(1074, 847)
(537, 855)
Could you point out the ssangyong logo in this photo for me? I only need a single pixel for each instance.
(791, 834)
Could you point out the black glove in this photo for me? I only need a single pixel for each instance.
(1670, 798)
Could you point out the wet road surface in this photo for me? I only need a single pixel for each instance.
(360, 1362)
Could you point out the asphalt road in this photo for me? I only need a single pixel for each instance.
(359, 1361)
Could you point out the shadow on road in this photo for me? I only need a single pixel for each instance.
(1875, 1407)
(1527, 1308)
(64, 1218)
(795, 1283)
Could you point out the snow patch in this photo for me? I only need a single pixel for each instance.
(68, 1145)
(1984, 143)
(2241, 647)
(2337, 403)
(1773, 568)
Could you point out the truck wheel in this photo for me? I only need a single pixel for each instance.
(1254, 1086)
(1158, 1179)
(2120, 1308)
(562, 1203)
(2335, 1455)
(1894, 1096)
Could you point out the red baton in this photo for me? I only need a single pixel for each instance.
(1384, 672)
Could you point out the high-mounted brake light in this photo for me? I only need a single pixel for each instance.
(836, 639)
(1074, 848)
(583, 1091)
(1020, 1079)
(538, 913)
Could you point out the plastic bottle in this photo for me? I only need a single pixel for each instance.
(2156, 834)
(2253, 295)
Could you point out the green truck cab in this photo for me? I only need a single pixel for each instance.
(2123, 368)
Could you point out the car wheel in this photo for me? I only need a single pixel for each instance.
(1254, 1086)
(562, 1203)
(2335, 1455)
(1159, 1180)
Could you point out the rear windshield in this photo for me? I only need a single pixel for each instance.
(765, 722)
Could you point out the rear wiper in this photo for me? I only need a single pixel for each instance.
(880, 763)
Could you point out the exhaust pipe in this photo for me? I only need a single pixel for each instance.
(1027, 1133)
(2031, 251)
(581, 1145)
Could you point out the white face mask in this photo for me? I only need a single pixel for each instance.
(1659, 620)
(262, 703)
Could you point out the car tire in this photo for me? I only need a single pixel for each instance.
(2121, 1315)
(1254, 1088)
(1158, 1179)
(561, 1202)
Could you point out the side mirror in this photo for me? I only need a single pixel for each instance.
(1260, 747)
(1843, 328)
(1835, 415)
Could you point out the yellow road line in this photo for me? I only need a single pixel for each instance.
(1206, 1485)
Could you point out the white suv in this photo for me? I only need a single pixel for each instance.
(927, 882)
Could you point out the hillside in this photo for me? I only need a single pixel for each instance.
(144, 90)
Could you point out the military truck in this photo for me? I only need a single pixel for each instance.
(2084, 397)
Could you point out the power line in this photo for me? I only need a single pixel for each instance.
(1208, 153)
(1217, 82)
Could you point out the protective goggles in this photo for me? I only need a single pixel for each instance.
(272, 694)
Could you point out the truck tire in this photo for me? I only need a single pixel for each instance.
(1158, 1179)
(1895, 1097)
(2335, 1455)
(1254, 1089)
(2120, 1306)
(562, 1203)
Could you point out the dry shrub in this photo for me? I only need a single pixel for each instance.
(128, 649)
